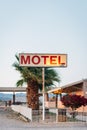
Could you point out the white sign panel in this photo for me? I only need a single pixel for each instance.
(43, 60)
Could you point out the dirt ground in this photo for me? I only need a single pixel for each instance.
(9, 120)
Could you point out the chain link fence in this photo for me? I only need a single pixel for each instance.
(59, 115)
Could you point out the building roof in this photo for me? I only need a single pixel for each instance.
(12, 89)
(72, 87)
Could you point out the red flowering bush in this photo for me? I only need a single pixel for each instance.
(74, 101)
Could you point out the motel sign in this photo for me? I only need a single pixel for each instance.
(43, 60)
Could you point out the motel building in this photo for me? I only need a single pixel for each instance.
(78, 88)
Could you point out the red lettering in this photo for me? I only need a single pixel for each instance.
(45, 59)
(25, 60)
(35, 60)
(59, 61)
(53, 60)
(42, 60)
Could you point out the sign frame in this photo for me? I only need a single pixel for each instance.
(43, 57)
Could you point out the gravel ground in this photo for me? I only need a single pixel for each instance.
(9, 120)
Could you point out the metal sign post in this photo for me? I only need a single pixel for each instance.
(43, 82)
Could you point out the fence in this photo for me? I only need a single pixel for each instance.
(51, 115)
(58, 115)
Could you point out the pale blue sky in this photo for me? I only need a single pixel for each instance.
(43, 26)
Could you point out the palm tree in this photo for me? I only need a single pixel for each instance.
(32, 76)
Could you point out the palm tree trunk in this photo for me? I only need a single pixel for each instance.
(32, 95)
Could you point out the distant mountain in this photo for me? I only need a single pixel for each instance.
(5, 97)
(18, 97)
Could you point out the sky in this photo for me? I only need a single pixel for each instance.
(43, 26)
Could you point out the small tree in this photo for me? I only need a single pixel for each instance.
(74, 101)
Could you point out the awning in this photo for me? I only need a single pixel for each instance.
(55, 91)
(72, 87)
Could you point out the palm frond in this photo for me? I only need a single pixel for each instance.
(20, 83)
(17, 57)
